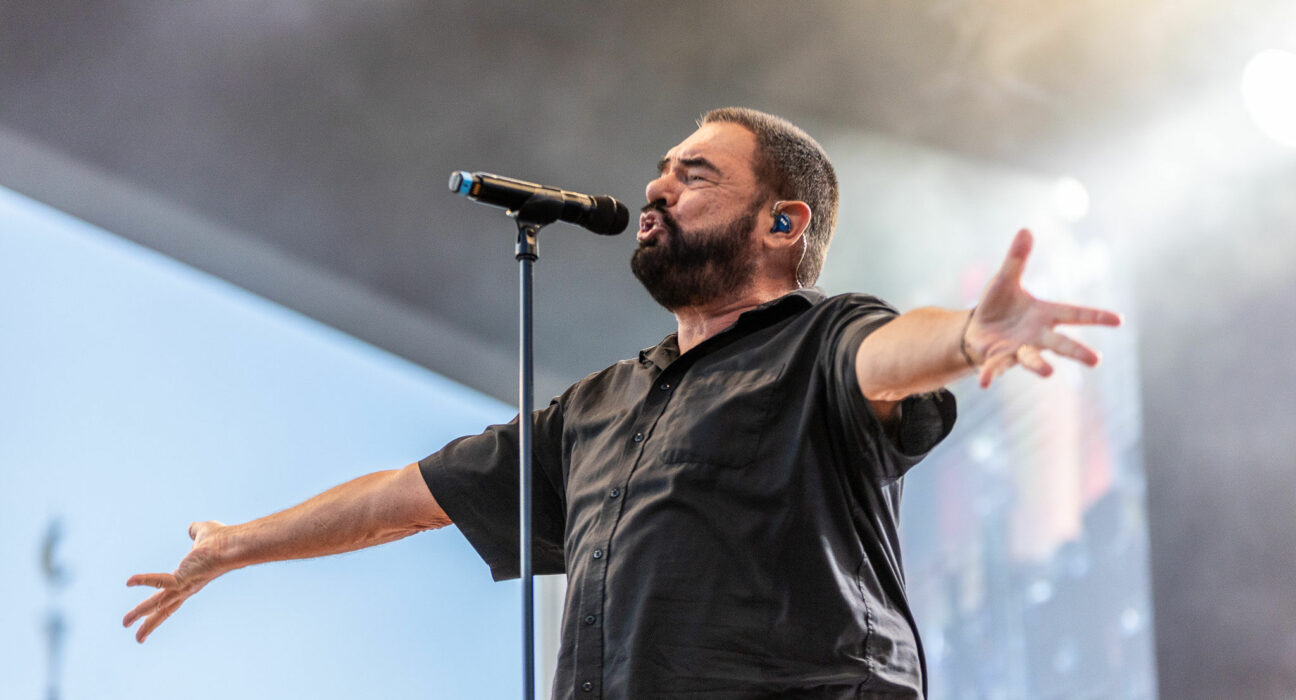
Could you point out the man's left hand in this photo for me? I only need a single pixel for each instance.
(1009, 326)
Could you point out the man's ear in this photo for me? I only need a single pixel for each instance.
(787, 232)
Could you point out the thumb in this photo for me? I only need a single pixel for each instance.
(198, 530)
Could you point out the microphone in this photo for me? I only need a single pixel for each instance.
(603, 215)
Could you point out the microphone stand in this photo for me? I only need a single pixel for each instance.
(538, 211)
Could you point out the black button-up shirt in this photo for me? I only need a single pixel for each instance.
(727, 518)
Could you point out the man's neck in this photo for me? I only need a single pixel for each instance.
(697, 323)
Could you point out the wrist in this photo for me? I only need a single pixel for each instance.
(225, 548)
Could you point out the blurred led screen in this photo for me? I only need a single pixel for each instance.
(1024, 534)
(138, 395)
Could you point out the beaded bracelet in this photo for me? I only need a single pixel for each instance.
(963, 339)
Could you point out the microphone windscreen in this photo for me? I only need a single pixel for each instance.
(609, 217)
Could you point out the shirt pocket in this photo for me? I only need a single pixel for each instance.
(721, 417)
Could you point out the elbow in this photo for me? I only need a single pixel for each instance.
(875, 388)
(421, 510)
(876, 395)
(432, 520)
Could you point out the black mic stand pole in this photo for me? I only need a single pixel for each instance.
(539, 210)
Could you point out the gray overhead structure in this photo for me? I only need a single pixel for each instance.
(301, 149)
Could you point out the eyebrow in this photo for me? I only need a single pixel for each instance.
(695, 162)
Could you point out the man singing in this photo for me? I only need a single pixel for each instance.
(725, 504)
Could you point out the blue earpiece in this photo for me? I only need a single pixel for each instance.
(782, 224)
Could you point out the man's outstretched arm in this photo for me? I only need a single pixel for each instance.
(371, 510)
(926, 349)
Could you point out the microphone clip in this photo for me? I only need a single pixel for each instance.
(542, 208)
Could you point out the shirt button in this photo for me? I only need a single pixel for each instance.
(664, 386)
(587, 686)
(598, 554)
(614, 493)
(590, 619)
(638, 437)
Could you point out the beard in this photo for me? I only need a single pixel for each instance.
(696, 267)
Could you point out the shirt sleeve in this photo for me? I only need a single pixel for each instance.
(925, 419)
(475, 480)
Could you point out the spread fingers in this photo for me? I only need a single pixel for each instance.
(150, 604)
(154, 580)
(1084, 315)
(996, 366)
(1067, 347)
(1030, 358)
(158, 617)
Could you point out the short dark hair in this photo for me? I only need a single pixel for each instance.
(795, 167)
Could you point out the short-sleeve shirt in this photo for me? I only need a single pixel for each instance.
(727, 518)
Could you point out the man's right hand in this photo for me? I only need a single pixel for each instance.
(202, 564)
(366, 511)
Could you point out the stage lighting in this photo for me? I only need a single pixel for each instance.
(1070, 199)
(1269, 93)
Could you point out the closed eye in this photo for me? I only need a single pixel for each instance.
(697, 166)
(694, 169)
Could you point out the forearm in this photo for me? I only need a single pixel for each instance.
(915, 352)
(371, 510)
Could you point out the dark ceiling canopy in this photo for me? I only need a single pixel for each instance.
(301, 149)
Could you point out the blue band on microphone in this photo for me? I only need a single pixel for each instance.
(461, 182)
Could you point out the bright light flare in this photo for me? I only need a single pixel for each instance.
(1269, 93)
(1070, 199)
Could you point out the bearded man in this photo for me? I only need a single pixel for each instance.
(725, 504)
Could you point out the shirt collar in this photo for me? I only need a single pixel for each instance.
(766, 314)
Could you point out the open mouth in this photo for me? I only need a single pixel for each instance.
(651, 228)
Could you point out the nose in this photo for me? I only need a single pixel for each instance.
(662, 188)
